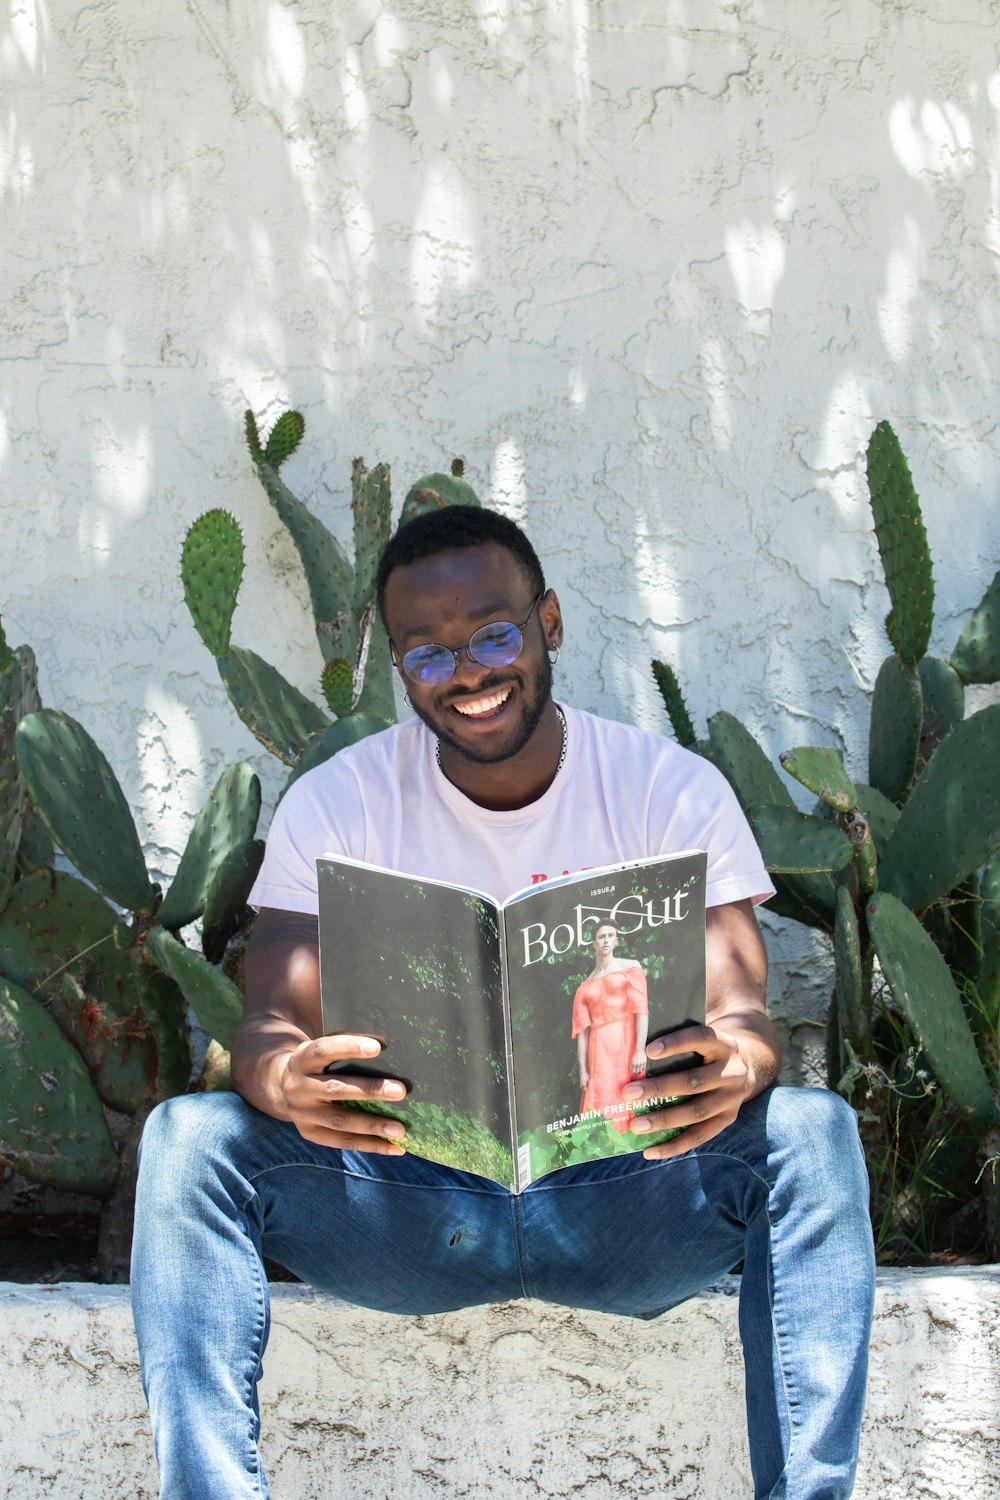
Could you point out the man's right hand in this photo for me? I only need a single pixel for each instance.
(319, 1104)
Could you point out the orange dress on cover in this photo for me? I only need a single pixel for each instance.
(608, 1004)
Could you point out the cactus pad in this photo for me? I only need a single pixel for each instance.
(211, 572)
(18, 696)
(902, 544)
(433, 492)
(944, 703)
(951, 823)
(925, 992)
(165, 1008)
(228, 817)
(338, 686)
(744, 764)
(282, 718)
(81, 804)
(673, 698)
(792, 842)
(343, 732)
(853, 1003)
(821, 769)
(214, 999)
(52, 1129)
(286, 435)
(976, 657)
(894, 732)
(226, 905)
(879, 813)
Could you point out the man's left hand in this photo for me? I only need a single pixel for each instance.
(712, 1093)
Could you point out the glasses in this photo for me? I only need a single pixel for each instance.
(494, 645)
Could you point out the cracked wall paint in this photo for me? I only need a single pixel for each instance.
(653, 270)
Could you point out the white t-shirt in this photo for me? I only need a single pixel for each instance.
(621, 794)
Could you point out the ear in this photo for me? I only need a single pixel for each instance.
(551, 617)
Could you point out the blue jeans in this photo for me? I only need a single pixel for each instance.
(783, 1189)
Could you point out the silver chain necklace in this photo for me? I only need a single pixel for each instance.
(562, 752)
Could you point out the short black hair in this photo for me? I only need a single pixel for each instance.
(454, 526)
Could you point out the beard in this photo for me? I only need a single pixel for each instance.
(536, 693)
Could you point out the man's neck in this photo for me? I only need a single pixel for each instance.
(510, 784)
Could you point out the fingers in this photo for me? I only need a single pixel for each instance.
(322, 1105)
(710, 1095)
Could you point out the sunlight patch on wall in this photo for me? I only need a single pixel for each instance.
(443, 257)
(285, 53)
(17, 162)
(902, 286)
(508, 488)
(931, 138)
(755, 255)
(29, 33)
(171, 755)
(121, 470)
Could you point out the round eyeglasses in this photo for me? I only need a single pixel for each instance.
(493, 645)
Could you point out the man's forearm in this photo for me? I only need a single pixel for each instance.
(260, 1052)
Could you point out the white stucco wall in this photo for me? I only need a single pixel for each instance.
(510, 1401)
(654, 268)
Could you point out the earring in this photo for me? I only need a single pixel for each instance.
(406, 700)
(554, 655)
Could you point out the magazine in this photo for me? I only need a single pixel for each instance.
(515, 1024)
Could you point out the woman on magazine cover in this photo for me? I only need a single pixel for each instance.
(610, 1021)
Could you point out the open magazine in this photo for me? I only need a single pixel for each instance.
(516, 1024)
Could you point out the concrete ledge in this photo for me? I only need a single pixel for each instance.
(514, 1400)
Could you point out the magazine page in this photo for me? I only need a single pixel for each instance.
(595, 967)
(417, 963)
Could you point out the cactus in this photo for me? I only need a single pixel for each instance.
(976, 657)
(78, 983)
(920, 893)
(81, 804)
(822, 771)
(902, 545)
(357, 677)
(53, 1128)
(226, 908)
(924, 989)
(894, 734)
(434, 491)
(214, 999)
(673, 698)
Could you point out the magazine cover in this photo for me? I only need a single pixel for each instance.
(514, 1028)
(595, 969)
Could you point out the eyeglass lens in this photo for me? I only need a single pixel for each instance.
(495, 645)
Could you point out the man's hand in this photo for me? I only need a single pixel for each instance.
(712, 1093)
(320, 1104)
(739, 1046)
(279, 1056)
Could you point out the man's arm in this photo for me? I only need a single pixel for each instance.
(279, 1054)
(740, 1047)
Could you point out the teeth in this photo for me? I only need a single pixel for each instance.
(482, 705)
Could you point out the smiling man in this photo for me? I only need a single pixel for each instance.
(494, 785)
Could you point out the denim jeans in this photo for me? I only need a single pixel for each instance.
(783, 1189)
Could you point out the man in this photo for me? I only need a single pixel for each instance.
(495, 785)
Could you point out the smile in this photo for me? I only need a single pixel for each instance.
(479, 706)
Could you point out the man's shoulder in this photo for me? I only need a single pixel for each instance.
(611, 738)
(352, 768)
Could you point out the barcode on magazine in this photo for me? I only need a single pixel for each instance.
(524, 1165)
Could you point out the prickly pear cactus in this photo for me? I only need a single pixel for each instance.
(338, 687)
(78, 798)
(902, 544)
(211, 572)
(434, 491)
(673, 699)
(976, 657)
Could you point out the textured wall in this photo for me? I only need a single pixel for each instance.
(654, 267)
(516, 1400)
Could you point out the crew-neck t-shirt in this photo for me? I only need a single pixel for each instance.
(620, 794)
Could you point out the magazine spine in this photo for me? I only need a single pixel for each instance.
(508, 1041)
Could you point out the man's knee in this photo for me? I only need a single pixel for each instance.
(818, 1131)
